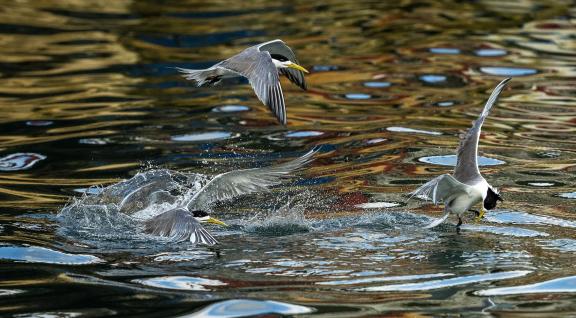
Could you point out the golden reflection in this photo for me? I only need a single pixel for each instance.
(111, 77)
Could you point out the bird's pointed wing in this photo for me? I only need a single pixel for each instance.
(235, 183)
(179, 225)
(280, 48)
(466, 170)
(440, 189)
(258, 68)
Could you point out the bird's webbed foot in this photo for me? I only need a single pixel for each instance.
(479, 215)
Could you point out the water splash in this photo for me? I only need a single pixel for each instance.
(114, 213)
(286, 220)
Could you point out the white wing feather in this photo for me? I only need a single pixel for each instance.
(466, 169)
(231, 184)
(440, 189)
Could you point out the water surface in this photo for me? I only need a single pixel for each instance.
(89, 96)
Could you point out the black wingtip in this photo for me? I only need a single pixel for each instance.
(505, 81)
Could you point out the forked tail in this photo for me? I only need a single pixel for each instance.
(201, 77)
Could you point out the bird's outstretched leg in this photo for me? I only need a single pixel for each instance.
(458, 225)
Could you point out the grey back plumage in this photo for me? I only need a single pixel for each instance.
(466, 170)
(179, 225)
(258, 68)
(280, 48)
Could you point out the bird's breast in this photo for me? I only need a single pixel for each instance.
(464, 202)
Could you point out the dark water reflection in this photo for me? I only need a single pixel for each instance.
(88, 96)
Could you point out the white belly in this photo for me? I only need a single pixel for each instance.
(465, 202)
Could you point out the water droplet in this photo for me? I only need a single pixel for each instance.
(39, 123)
(35, 254)
(181, 282)
(205, 136)
(230, 109)
(376, 205)
(304, 133)
(444, 50)
(410, 130)
(19, 161)
(490, 52)
(450, 160)
(508, 71)
(358, 96)
(433, 78)
(245, 307)
(377, 84)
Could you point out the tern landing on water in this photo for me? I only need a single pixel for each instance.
(261, 65)
(466, 187)
(185, 222)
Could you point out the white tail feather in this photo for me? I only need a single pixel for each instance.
(199, 76)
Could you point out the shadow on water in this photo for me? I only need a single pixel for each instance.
(91, 103)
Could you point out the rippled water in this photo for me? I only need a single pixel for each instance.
(89, 97)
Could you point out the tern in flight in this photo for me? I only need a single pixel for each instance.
(261, 65)
(466, 187)
(184, 223)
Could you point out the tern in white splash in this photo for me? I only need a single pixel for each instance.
(184, 223)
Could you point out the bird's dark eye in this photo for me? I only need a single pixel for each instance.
(279, 57)
(199, 214)
(491, 199)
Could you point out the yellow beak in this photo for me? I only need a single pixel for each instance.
(216, 221)
(297, 67)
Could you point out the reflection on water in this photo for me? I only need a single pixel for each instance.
(559, 285)
(450, 160)
(246, 308)
(19, 161)
(89, 96)
(35, 254)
